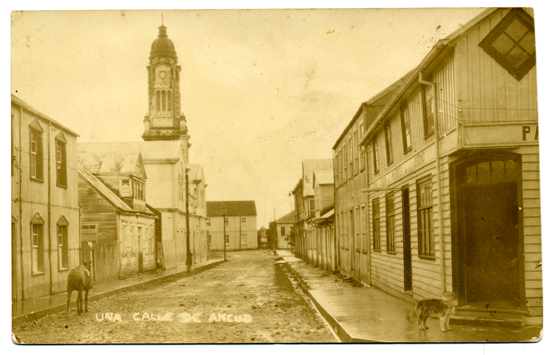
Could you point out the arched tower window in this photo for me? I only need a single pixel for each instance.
(169, 101)
(158, 101)
(163, 100)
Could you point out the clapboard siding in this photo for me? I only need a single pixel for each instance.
(490, 93)
(44, 198)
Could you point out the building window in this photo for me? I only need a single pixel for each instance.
(425, 225)
(208, 222)
(364, 229)
(406, 129)
(361, 133)
(389, 149)
(341, 162)
(512, 43)
(350, 158)
(226, 239)
(37, 244)
(376, 224)
(311, 208)
(158, 101)
(336, 170)
(226, 220)
(376, 155)
(61, 162)
(36, 156)
(139, 190)
(244, 239)
(356, 153)
(283, 232)
(243, 219)
(345, 163)
(209, 239)
(63, 243)
(428, 110)
(390, 222)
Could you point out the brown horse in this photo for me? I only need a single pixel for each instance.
(80, 280)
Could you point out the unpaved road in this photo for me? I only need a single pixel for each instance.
(248, 299)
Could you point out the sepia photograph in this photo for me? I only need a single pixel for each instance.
(276, 175)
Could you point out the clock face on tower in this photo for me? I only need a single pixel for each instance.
(162, 74)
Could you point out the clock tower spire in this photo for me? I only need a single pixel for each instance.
(164, 120)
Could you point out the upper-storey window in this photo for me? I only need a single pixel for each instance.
(139, 190)
(376, 155)
(356, 153)
(345, 163)
(61, 160)
(36, 152)
(350, 158)
(361, 133)
(406, 129)
(428, 110)
(512, 43)
(336, 170)
(389, 149)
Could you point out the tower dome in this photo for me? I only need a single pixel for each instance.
(163, 46)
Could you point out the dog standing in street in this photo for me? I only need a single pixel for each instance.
(443, 307)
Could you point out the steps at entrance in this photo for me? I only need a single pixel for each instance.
(489, 317)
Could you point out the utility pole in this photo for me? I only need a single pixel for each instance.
(274, 232)
(224, 247)
(189, 259)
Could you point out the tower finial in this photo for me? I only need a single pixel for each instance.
(161, 19)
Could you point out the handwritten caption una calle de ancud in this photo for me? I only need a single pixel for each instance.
(183, 317)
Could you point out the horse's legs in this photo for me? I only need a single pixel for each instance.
(86, 297)
(69, 293)
(79, 301)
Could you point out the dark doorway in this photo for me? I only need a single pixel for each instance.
(407, 266)
(87, 254)
(489, 239)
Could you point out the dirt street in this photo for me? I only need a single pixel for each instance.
(248, 299)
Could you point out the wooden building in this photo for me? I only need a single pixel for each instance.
(350, 204)
(452, 186)
(166, 168)
(117, 228)
(324, 241)
(240, 225)
(282, 230)
(44, 203)
(304, 202)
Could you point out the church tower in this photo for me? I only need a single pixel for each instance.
(164, 120)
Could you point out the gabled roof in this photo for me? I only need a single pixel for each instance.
(114, 163)
(287, 218)
(17, 101)
(105, 191)
(233, 208)
(310, 165)
(150, 150)
(323, 177)
(442, 47)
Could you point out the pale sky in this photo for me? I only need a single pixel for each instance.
(261, 89)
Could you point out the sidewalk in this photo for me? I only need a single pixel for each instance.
(40, 307)
(367, 314)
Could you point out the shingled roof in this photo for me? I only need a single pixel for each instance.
(233, 208)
